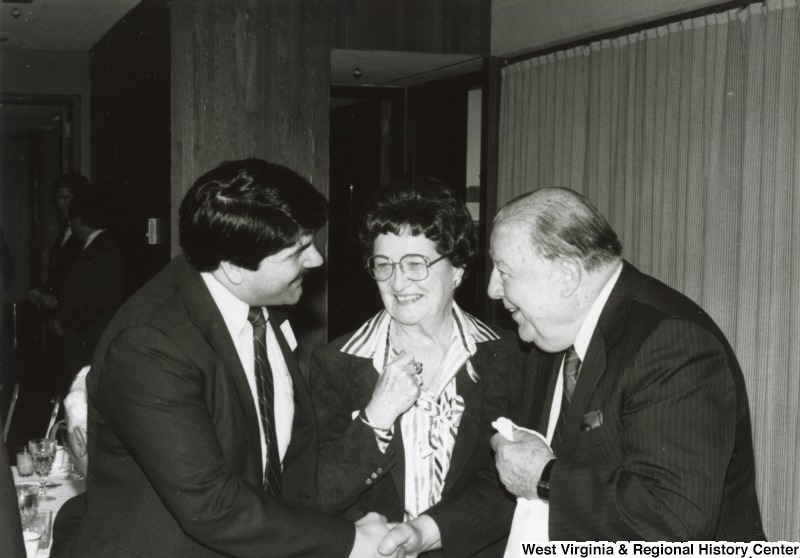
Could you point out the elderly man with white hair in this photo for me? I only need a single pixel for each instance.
(68, 519)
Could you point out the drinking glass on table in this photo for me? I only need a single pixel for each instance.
(43, 451)
(28, 503)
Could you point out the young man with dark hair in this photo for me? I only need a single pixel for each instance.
(202, 441)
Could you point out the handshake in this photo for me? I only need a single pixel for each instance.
(377, 538)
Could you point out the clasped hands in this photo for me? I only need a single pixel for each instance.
(375, 538)
(42, 300)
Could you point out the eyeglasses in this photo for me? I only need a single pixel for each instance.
(414, 267)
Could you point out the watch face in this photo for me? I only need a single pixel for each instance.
(543, 490)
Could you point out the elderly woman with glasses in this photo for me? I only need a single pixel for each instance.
(405, 403)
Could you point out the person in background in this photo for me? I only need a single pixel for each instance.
(202, 438)
(650, 427)
(50, 376)
(92, 290)
(6, 262)
(68, 519)
(66, 247)
(405, 403)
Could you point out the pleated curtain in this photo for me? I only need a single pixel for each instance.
(687, 137)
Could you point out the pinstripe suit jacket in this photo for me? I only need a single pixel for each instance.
(355, 478)
(673, 458)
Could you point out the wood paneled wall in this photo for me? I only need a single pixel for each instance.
(251, 79)
(432, 26)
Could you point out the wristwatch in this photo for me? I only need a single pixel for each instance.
(543, 486)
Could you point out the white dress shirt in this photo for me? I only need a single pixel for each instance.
(234, 313)
(91, 237)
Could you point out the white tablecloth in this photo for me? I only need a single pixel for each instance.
(66, 489)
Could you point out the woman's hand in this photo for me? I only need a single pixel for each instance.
(397, 389)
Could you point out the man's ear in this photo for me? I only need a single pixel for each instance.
(232, 272)
(79, 441)
(571, 274)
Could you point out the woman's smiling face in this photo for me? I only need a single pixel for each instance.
(416, 302)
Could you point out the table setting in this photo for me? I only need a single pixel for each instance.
(45, 480)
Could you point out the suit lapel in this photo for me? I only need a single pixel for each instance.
(468, 433)
(277, 318)
(204, 313)
(606, 333)
(541, 375)
(299, 463)
(592, 368)
(398, 472)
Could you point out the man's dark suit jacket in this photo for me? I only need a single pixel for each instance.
(10, 526)
(174, 446)
(66, 525)
(673, 457)
(91, 293)
(62, 257)
(357, 478)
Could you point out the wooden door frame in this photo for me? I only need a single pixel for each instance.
(70, 114)
(69, 161)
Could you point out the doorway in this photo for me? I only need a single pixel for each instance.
(366, 149)
(378, 134)
(38, 143)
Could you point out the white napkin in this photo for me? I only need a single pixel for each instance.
(531, 517)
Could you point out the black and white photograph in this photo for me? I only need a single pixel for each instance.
(399, 278)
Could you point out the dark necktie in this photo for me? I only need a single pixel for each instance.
(266, 400)
(572, 365)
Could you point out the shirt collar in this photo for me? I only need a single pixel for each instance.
(91, 237)
(581, 343)
(234, 311)
(369, 341)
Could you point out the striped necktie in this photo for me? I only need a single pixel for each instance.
(266, 400)
(571, 367)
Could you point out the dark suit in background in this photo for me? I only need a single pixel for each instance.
(675, 411)
(91, 293)
(62, 257)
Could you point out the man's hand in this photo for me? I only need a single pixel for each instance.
(520, 463)
(35, 297)
(418, 535)
(370, 531)
(55, 327)
(49, 302)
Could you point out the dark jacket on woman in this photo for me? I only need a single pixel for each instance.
(355, 477)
